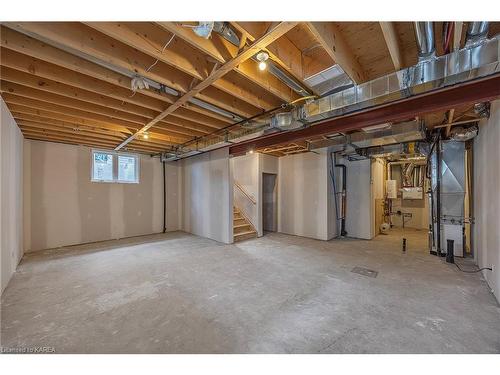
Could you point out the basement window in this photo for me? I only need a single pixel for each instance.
(108, 166)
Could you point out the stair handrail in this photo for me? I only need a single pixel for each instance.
(245, 193)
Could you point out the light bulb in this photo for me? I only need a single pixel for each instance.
(145, 135)
(262, 65)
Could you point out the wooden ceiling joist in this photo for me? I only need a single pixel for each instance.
(283, 51)
(222, 51)
(151, 39)
(267, 39)
(33, 93)
(391, 40)
(28, 46)
(115, 52)
(25, 64)
(332, 41)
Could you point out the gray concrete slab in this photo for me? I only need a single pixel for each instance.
(178, 293)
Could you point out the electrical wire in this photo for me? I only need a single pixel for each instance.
(162, 50)
(473, 271)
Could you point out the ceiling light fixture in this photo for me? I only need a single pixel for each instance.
(145, 135)
(262, 57)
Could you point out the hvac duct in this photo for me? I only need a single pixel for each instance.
(424, 34)
(461, 134)
(287, 120)
(226, 32)
(397, 133)
(426, 69)
(476, 33)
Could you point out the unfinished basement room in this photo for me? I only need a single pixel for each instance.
(218, 187)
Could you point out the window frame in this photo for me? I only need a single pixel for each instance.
(115, 166)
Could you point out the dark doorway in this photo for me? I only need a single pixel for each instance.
(269, 203)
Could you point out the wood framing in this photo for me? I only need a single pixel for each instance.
(267, 39)
(333, 43)
(391, 39)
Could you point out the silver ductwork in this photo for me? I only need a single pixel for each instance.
(403, 132)
(424, 34)
(226, 32)
(477, 32)
(461, 134)
(425, 70)
(460, 66)
(287, 120)
(467, 64)
(396, 133)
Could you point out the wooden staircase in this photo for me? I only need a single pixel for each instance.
(242, 228)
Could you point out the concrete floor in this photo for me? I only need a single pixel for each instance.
(177, 293)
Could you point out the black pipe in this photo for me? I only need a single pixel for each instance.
(164, 200)
(438, 198)
(449, 251)
(343, 232)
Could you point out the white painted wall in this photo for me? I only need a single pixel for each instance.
(304, 196)
(486, 198)
(359, 217)
(64, 207)
(207, 197)
(11, 197)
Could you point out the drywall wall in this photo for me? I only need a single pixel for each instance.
(11, 197)
(66, 207)
(486, 198)
(304, 195)
(173, 196)
(359, 216)
(207, 196)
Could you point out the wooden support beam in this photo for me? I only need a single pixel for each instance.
(283, 51)
(60, 100)
(65, 130)
(332, 41)
(35, 67)
(392, 42)
(222, 51)
(150, 39)
(451, 112)
(42, 105)
(267, 39)
(75, 119)
(458, 123)
(36, 136)
(28, 46)
(457, 35)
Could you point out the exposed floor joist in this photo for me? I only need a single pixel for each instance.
(267, 39)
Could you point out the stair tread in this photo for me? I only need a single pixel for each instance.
(245, 233)
(242, 225)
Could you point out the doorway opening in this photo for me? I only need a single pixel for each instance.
(269, 203)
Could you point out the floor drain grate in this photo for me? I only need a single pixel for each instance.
(365, 271)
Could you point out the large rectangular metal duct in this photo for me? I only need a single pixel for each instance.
(396, 133)
(459, 66)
